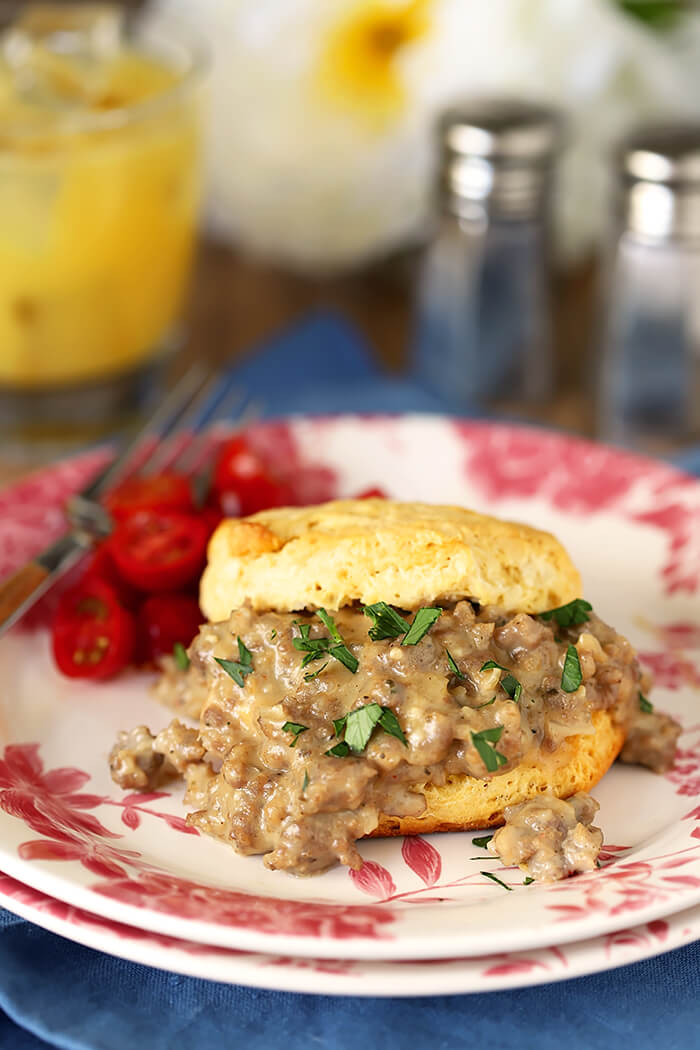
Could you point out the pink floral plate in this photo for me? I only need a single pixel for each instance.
(633, 527)
(405, 977)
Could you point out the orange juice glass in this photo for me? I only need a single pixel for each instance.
(100, 127)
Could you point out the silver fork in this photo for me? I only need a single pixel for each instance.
(174, 438)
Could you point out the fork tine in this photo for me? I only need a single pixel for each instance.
(161, 423)
(166, 453)
(231, 400)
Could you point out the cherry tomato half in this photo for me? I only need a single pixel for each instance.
(243, 482)
(163, 620)
(102, 567)
(375, 493)
(92, 634)
(162, 492)
(159, 552)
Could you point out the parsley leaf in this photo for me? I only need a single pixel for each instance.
(453, 666)
(513, 687)
(310, 675)
(387, 622)
(645, 705)
(528, 880)
(317, 648)
(495, 878)
(296, 728)
(571, 676)
(341, 750)
(238, 669)
(487, 704)
(510, 683)
(391, 725)
(422, 622)
(273, 634)
(483, 742)
(569, 615)
(357, 727)
(306, 781)
(182, 660)
(482, 842)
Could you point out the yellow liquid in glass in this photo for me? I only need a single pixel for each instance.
(96, 225)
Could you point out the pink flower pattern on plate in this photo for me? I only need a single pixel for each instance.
(580, 477)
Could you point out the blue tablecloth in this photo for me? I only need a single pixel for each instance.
(57, 994)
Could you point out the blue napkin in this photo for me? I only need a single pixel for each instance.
(54, 993)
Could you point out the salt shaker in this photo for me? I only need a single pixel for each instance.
(483, 314)
(649, 368)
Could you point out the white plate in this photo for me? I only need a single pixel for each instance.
(410, 978)
(632, 525)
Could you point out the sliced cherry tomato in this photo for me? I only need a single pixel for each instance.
(243, 482)
(163, 620)
(375, 493)
(159, 552)
(162, 492)
(102, 567)
(92, 634)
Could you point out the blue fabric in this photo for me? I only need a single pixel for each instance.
(54, 993)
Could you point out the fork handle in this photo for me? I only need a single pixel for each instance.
(18, 588)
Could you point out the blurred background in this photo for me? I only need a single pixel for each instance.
(455, 178)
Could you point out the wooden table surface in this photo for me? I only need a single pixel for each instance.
(238, 302)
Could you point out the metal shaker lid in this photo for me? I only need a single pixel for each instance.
(499, 152)
(659, 181)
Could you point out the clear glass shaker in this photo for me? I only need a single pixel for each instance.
(649, 368)
(483, 326)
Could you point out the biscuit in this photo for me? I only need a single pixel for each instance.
(406, 554)
(465, 803)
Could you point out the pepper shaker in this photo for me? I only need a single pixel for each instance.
(649, 368)
(483, 325)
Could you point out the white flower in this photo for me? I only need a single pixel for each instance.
(321, 149)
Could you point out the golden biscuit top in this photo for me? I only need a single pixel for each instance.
(406, 554)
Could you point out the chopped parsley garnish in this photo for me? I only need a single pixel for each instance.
(571, 676)
(306, 781)
(273, 635)
(317, 648)
(238, 669)
(483, 742)
(487, 704)
(296, 728)
(390, 624)
(509, 682)
(482, 842)
(310, 675)
(422, 622)
(359, 725)
(453, 666)
(356, 728)
(528, 880)
(341, 750)
(391, 725)
(495, 878)
(387, 622)
(645, 705)
(569, 615)
(182, 660)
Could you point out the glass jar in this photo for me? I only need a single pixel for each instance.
(99, 192)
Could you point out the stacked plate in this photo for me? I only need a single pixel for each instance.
(123, 873)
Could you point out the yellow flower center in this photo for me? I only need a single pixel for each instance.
(357, 68)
